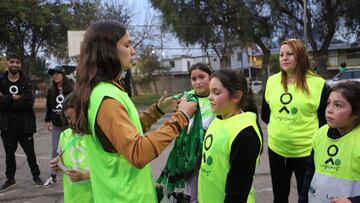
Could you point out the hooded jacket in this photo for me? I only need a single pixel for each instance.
(17, 114)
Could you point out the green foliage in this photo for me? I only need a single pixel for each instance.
(145, 100)
(2, 65)
(326, 19)
(274, 63)
(146, 66)
(218, 25)
(114, 10)
(39, 68)
(33, 26)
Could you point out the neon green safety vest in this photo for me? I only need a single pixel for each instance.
(216, 156)
(293, 119)
(74, 157)
(206, 114)
(113, 178)
(337, 166)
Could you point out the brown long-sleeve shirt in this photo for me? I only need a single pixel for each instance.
(118, 134)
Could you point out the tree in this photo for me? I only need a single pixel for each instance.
(219, 25)
(147, 65)
(325, 18)
(30, 27)
(202, 22)
(2, 64)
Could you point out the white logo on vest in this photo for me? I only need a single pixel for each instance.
(13, 89)
(77, 155)
(60, 99)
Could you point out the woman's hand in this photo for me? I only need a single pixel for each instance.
(167, 104)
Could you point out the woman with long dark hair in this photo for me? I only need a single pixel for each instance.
(117, 150)
(60, 88)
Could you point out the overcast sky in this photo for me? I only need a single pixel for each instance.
(171, 46)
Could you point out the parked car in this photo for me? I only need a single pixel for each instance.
(349, 75)
(256, 86)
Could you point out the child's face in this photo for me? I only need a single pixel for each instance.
(200, 82)
(70, 116)
(221, 102)
(338, 113)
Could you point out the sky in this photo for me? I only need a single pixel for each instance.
(171, 46)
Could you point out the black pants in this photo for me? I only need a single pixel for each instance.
(281, 169)
(10, 141)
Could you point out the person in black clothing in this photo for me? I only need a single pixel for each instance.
(60, 87)
(18, 122)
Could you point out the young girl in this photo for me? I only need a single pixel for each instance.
(293, 106)
(72, 159)
(334, 168)
(233, 141)
(180, 175)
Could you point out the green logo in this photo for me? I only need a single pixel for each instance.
(337, 162)
(294, 110)
(209, 161)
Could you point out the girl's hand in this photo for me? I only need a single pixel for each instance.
(167, 104)
(340, 200)
(48, 126)
(74, 175)
(188, 108)
(54, 164)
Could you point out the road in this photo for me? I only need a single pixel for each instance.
(26, 192)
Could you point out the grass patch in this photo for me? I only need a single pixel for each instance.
(145, 100)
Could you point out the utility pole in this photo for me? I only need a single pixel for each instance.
(162, 57)
(305, 23)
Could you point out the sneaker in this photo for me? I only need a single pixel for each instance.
(38, 182)
(50, 181)
(8, 184)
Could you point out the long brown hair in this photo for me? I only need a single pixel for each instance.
(98, 62)
(234, 81)
(302, 65)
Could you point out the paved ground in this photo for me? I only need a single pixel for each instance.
(26, 192)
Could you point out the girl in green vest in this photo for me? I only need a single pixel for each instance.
(119, 153)
(72, 159)
(293, 106)
(333, 173)
(233, 141)
(179, 178)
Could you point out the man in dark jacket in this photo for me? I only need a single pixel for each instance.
(17, 120)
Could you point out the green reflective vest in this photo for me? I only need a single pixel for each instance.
(74, 157)
(216, 156)
(337, 166)
(206, 114)
(293, 119)
(113, 178)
